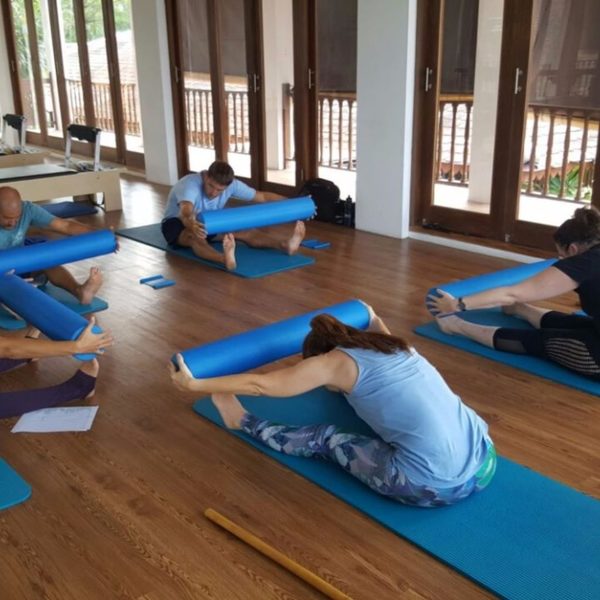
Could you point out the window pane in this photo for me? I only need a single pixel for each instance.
(24, 65)
(336, 86)
(99, 73)
(468, 101)
(128, 73)
(70, 55)
(194, 48)
(47, 68)
(563, 110)
(233, 49)
(278, 53)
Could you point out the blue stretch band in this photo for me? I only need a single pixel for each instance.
(229, 220)
(251, 349)
(38, 257)
(52, 318)
(481, 283)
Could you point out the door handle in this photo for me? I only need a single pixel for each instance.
(518, 75)
(428, 78)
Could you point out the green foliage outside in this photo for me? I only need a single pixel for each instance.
(93, 19)
(570, 189)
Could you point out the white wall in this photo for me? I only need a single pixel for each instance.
(156, 101)
(6, 95)
(385, 85)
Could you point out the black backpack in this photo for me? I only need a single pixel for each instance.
(326, 196)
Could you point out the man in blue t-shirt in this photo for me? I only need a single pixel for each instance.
(17, 216)
(211, 190)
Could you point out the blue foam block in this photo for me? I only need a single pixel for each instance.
(488, 281)
(68, 209)
(13, 488)
(251, 349)
(525, 537)
(161, 283)
(529, 364)
(38, 257)
(11, 323)
(315, 244)
(251, 262)
(229, 220)
(150, 278)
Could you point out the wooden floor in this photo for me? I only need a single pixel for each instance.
(117, 512)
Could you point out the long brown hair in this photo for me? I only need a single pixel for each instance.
(327, 333)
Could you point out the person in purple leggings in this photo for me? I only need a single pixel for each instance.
(19, 350)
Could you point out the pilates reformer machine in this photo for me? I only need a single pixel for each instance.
(17, 155)
(37, 182)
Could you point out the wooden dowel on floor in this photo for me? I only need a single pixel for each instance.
(287, 563)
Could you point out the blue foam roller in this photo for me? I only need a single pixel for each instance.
(488, 281)
(59, 252)
(251, 349)
(229, 220)
(52, 318)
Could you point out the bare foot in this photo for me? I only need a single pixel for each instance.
(291, 246)
(230, 409)
(87, 290)
(449, 324)
(229, 251)
(91, 368)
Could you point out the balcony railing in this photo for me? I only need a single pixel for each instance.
(337, 119)
(559, 149)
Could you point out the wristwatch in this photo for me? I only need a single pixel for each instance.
(460, 303)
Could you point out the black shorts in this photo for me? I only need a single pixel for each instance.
(171, 229)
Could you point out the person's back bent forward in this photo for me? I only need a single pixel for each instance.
(211, 190)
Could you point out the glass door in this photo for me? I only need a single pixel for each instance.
(278, 92)
(336, 27)
(560, 116)
(457, 96)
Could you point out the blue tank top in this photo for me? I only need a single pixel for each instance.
(403, 398)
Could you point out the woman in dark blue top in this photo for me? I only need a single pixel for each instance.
(572, 341)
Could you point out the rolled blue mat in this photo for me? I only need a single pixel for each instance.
(488, 281)
(229, 220)
(251, 349)
(58, 252)
(52, 318)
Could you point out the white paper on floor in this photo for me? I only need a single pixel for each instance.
(47, 420)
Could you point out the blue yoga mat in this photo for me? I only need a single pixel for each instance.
(67, 209)
(529, 364)
(251, 262)
(524, 537)
(13, 489)
(11, 323)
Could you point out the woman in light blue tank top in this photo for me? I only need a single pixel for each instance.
(428, 448)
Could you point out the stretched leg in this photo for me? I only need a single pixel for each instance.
(452, 325)
(84, 292)
(8, 364)
(204, 250)
(370, 460)
(532, 314)
(575, 349)
(260, 239)
(81, 385)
